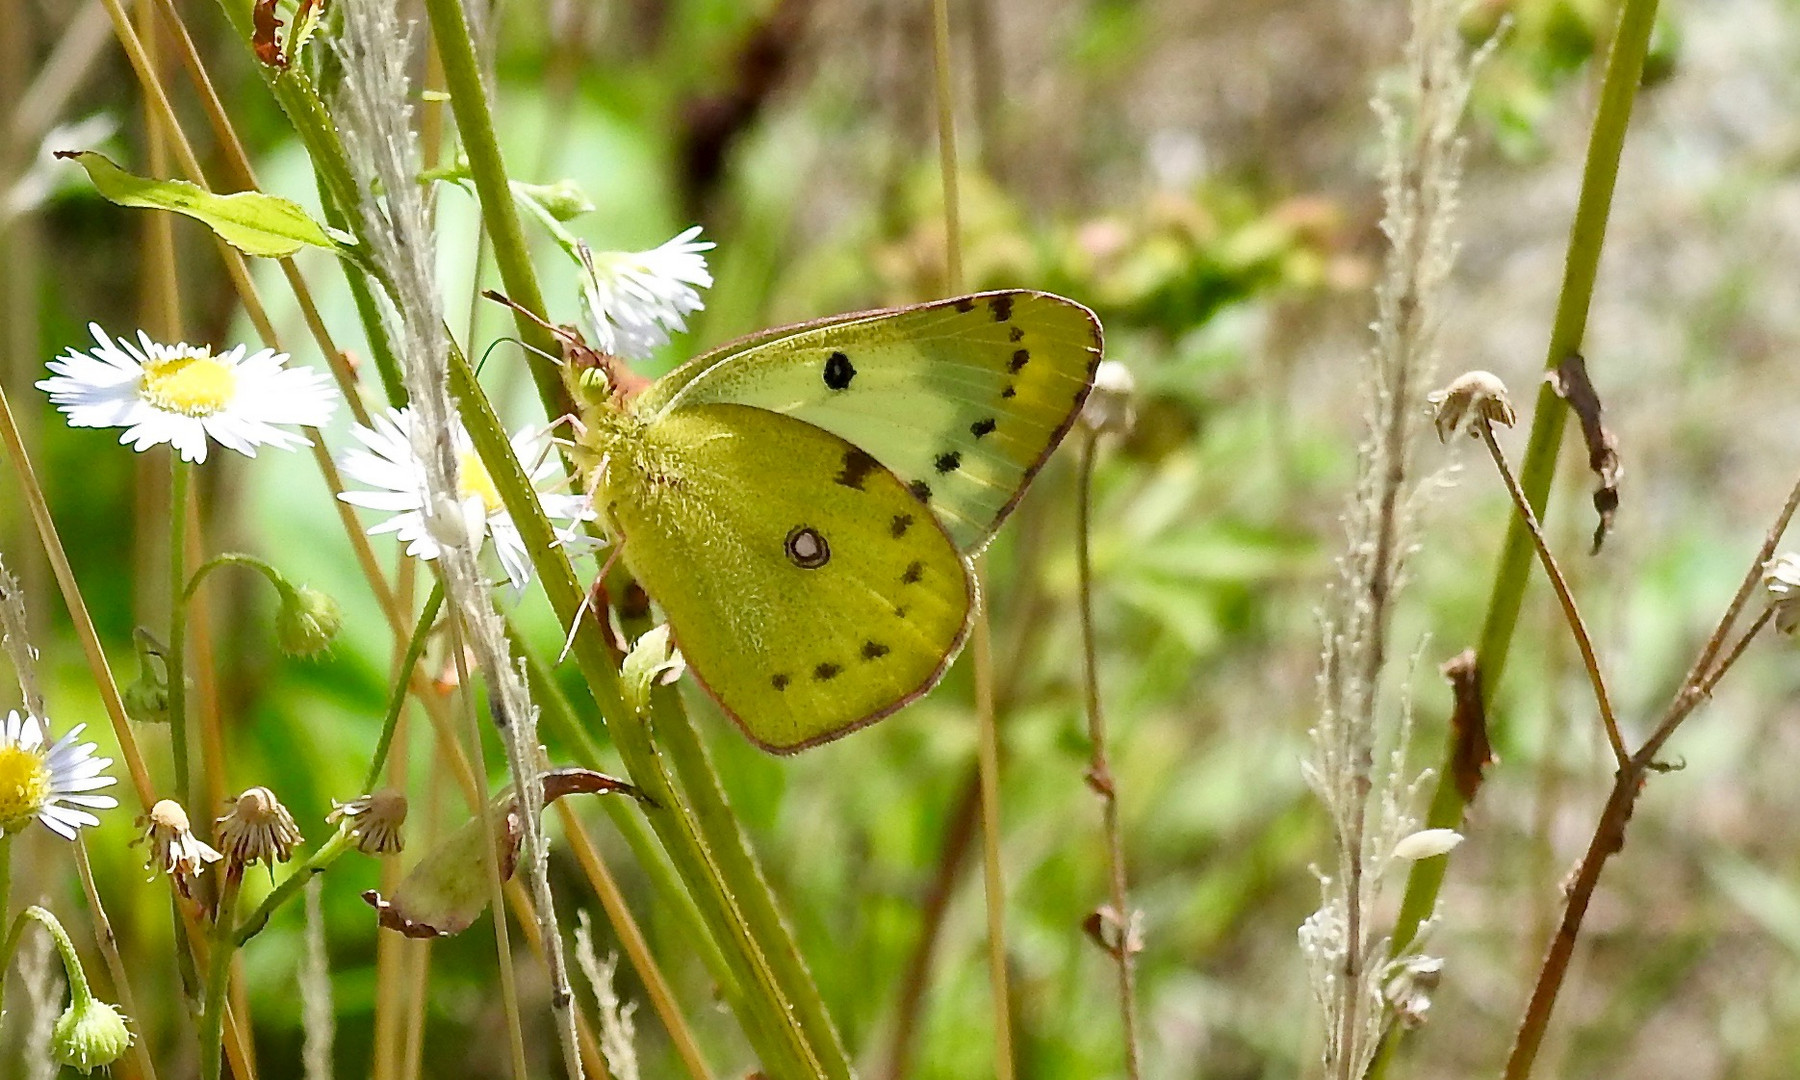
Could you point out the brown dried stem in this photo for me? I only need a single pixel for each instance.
(1609, 832)
(1484, 429)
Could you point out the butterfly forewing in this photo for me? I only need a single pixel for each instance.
(961, 399)
(808, 590)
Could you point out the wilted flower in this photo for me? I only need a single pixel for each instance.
(374, 820)
(257, 827)
(635, 298)
(49, 783)
(184, 394)
(1781, 580)
(174, 849)
(389, 464)
(1408, 986)
(1475, 395)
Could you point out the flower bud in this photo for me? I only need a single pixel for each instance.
(89, 1035)
(307, 621)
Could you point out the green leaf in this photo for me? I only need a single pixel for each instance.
(251, 221)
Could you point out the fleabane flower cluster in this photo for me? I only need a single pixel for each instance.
(635, 299)
(52, 783)
(387, 464)
(185, 395)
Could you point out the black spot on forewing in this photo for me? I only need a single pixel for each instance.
(1009, 391)
(948, 462)
(857, 467)
(873, 650)
(779, 682)
(914, 571)
(1015, 335)
(965, 305)
(900, 524)
(839, 371)
(1020, 358)
(984, 426)
(1002, 307)
(826, 671)
(921, 490)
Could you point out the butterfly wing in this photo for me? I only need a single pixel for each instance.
(807, 589)
(963, 399)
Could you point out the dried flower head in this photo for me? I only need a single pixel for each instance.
(1472, 396)
(1781, 580)
(374, 820)
(174, 849)
(257, 827)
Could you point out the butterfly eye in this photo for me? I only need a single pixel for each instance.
(806, 548)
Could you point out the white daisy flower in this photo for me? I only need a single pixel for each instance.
(49, 783)
(182, 394)
(389, 465)
(634, 299)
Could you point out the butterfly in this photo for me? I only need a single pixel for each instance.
(804, 503)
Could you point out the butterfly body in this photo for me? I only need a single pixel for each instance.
(804, 504)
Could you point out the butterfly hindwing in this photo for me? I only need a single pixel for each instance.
(961, 399)
(808, 590)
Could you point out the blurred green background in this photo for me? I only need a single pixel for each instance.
(1201, 173)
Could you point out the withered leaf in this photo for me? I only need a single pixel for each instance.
(263, 29)
(1471, 753)
(1571, 383)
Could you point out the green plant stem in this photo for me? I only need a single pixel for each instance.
(180, 476)
(415, 648)
(1624, 71)
(499, 214)
(79, 993)
(315, 864)
(218, 980)
(233, 558)
(780, 1020)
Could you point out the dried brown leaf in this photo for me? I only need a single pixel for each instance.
(264, 27)
(1468, 724)
(1571, 383)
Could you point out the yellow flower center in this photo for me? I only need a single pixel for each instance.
(24, 787)
(473, 479)
(191, 383)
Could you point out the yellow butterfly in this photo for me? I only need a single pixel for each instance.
(804, 503)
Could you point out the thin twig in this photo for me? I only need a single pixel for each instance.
(1577, 627)
(1099, 775)
(1609, 832)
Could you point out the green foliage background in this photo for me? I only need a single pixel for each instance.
(1201, 175)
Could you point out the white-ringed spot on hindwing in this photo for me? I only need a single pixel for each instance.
(806, 548)
(839, 371)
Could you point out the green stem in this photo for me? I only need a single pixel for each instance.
(79, 992)
(415, 648)
(235, 558)
(1624, 72)
(328, 852)
(180, 474)
(218, 978)
(499, 213)
(706, 848)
